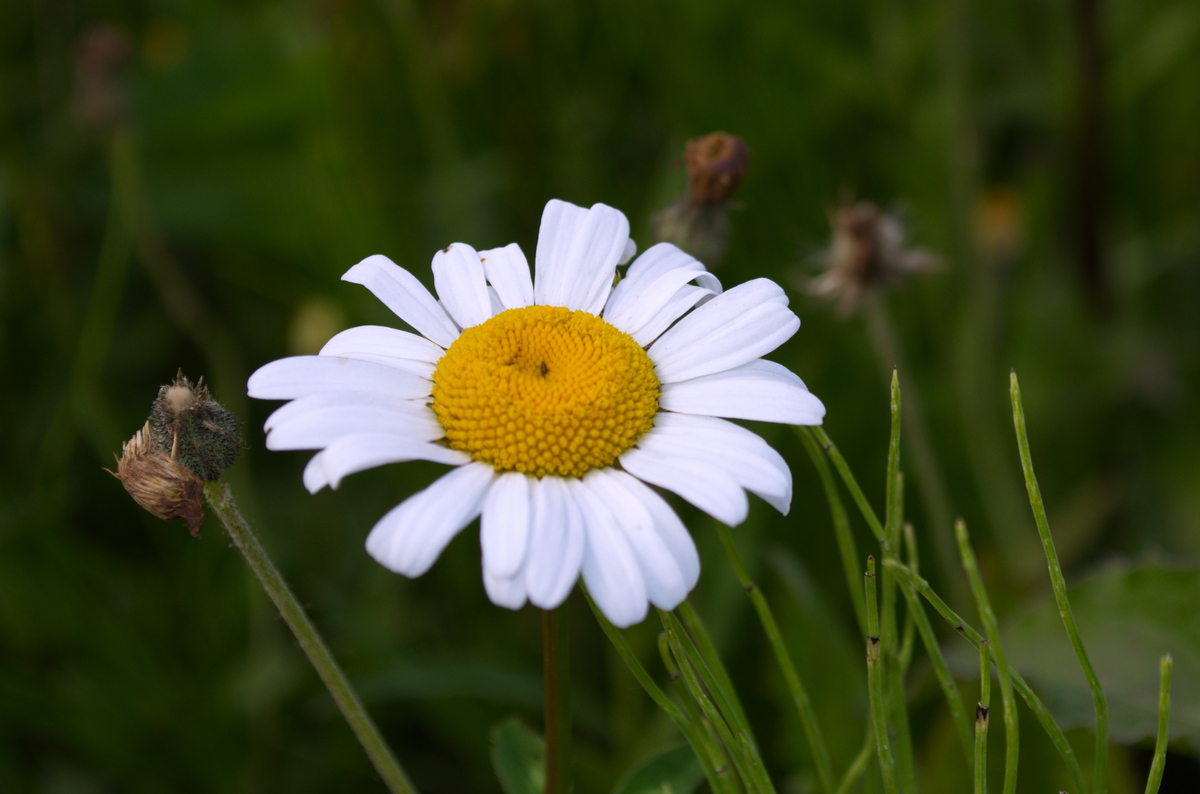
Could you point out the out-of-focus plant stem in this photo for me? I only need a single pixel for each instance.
(220, 498)
(557, 672)
(1164, 717)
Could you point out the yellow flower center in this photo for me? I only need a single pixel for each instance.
(545, 390)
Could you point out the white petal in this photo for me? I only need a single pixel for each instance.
(300, 376)
(389, 346)
(407, 297)
(704, 485)
(672, 531)
(508, 271)
(577, 254)
(687, 297)
(411, 536)
(666, 583)
(641, 304)
(742, 455)
(318, 420)
(461, 285)
(314, 478)
(663, 258)
(610, 568)
(629, 253)
(508, 593)
(760, 390)
(504, 525)
(351, 454)
(556, 540)
(736, 327)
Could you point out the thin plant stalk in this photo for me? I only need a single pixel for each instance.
(690, 732)
(799, 696)
(1099, 702)
(856, 493)
(841, 525)
(1012, 742)
(729, 733)
(556, 666)
(859, 765)
(712, 757)
(221, 499)
(913, 584)
(887, 765)
(981, 718)
(703, 643)
(1164, 718)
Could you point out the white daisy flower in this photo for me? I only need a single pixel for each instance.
(559, 401)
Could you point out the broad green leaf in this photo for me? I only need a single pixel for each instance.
(1128, 618)
(518, 758)
(674, 771)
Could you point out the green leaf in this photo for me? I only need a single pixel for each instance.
(674, 771)
(518, 757)
(1128, 618)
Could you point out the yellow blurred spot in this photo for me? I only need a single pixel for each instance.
(316, 320)
(165, 45)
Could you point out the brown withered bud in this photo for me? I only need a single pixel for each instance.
(188, 425)
(716, 164)
(101, 99)
(867, 250)
(699, 221)
(162, 486)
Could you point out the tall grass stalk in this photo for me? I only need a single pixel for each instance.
(887, 765)
(1164, 718)
(981, 718)
(1099, 702)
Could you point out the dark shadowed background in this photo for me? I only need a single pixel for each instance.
(182, 184)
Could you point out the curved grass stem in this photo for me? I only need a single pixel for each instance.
(1164, 717)
(1099, 702)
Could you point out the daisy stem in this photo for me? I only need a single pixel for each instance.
(1012, 743)
(841, 525)
(692, 732)
(221, 499)
(799, 696)
(1060, 588)
(1164, 716)
(859, 765)
(556, 665)
(887, 766)
(912, 584)
(856, 493)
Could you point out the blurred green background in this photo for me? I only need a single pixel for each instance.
(183, 183)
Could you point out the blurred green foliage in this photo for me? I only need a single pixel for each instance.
(182, 184)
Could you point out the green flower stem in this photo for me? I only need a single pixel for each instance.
(1012, 741)
(893, 467)
(556, 666)
(695, 652)
(1164, 718)
(688, 666)
(914, 584)
(799, 696)
(841, 525)
(711, 755)
(856, 493)
(223, 504)
(981, 718)
(725, 691)
(887, 765)
(690, 731)
(1060, 588)
(859, 765)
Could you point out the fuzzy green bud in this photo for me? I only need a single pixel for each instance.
(188, 425)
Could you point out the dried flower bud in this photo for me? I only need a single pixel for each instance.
(699, 221)
(867, 250)
(716, 164)
(188, 425)
(101, 99)
(159, 484)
